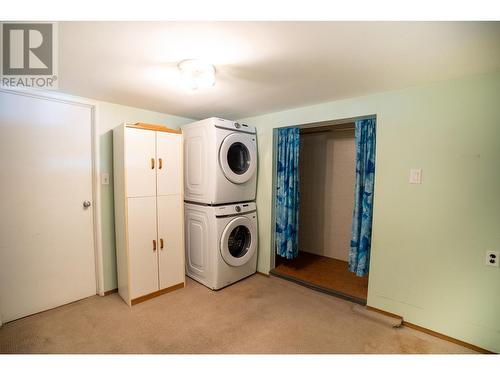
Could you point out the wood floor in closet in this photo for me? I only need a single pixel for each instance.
(327, 273)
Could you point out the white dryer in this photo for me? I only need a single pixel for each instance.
(220, 162)
(221, 243)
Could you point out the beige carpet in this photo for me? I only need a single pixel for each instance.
(257, 315)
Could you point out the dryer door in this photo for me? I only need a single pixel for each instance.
(238, 157)
(238, 241)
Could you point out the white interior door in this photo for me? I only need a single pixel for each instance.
(170, 229)
(142, 246)
(140, 162)
(169, 175)
(46, 235)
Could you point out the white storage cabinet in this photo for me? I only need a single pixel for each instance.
(149, 210)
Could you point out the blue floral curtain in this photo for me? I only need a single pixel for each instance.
(359, 254)
(287, 197)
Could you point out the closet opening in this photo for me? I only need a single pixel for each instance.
(327, 185)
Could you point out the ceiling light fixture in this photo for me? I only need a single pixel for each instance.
(196, 74)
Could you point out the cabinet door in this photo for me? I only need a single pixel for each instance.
(143, 257)
(140, 162)
(169, 148)
(170, 235)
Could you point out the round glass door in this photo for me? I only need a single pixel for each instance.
(238, 157)
(238, 241)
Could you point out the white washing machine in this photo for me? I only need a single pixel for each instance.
(221, 243)
(220, 162)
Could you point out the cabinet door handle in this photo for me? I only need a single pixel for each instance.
(152, 163)
(160, 163)
(161, 243)
(154, 245)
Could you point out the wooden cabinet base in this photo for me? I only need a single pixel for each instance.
(137, 300)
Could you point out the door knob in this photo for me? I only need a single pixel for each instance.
(86, 204)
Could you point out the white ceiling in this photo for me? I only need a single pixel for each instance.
(264, 67)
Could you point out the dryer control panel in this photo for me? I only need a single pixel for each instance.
(232, 125)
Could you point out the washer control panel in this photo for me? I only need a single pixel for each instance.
(234, 209)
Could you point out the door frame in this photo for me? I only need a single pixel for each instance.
(272, 263)
(95, 161)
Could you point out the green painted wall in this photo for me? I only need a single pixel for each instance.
(110, 116)
(429, 240)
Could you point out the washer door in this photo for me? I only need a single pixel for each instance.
(238, 241)
(238, 157)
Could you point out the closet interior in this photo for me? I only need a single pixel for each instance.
(327, 181)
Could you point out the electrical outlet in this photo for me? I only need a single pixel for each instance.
(492, 258)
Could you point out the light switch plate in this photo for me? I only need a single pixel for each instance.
(105, 178)
(415, 176)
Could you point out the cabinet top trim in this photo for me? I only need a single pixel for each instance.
(160, 128)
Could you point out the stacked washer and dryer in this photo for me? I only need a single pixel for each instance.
(220, 181)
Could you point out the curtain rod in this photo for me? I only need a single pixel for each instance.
(325, 131)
